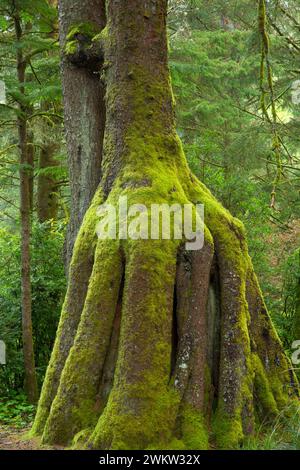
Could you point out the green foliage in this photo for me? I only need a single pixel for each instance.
(215, 60)
(41, 97)
(40, 49)
(282, 434)
(48, 287)
(40, 103)
(15, 410)
(288, 321)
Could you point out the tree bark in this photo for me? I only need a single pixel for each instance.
(26, 196)
(47, 185)
(84, 111)
(163, 348)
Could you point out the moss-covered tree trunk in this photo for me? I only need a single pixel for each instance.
(157, 347)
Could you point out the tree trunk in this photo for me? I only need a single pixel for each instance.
(47, 184)
(84, 111)
(165, 348)
(30, 384)
(26, 195)
(47, 187)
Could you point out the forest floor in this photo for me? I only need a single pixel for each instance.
(12, 438)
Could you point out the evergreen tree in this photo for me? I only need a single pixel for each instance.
(155, 341)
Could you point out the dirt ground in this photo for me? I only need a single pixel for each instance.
(14, 439)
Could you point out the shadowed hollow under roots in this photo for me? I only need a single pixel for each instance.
(158, 347)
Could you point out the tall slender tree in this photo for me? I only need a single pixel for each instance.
(156, 343)
(26, 196)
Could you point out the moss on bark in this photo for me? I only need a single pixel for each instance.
(166, 392)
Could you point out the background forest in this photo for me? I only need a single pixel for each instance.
(237, 92)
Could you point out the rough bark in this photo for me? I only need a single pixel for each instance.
(26, 195)
(47, 185)
(84, 111)
(185, 335)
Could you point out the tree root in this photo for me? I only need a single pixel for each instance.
(157, 344)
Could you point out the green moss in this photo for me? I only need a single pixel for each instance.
(175, 444)
(87, 29)
(81, 438)
(102, 36)
(280, 390)
(81, 373)
(227, 430)
(151, 424)
(83, 252)
(194, 429)
(142, 407)
(71, 47)
(262, 387)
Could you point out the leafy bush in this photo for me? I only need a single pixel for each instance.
(288, 319)
(15, 411)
